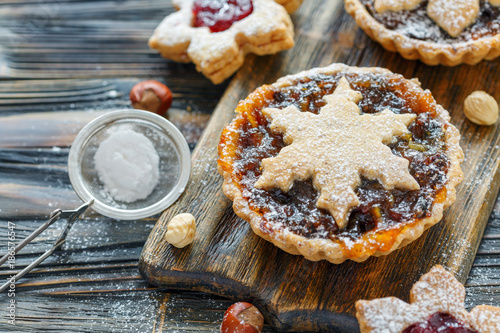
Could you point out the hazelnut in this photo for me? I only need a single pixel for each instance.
(180, 230)
(481, 108)
(151, 96)
(242, 317)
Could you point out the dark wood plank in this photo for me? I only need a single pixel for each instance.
(47, 113)
(40, 39)
(295, 294)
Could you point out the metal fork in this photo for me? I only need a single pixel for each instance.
(70, 215)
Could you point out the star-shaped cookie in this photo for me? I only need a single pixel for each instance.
(268, 29)
(436, 293)
(335, 148)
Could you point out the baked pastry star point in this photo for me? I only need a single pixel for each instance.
(335, 148)
(395, 5)
(453, 16)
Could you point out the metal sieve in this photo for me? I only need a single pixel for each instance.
(172, 148)
(175, 168)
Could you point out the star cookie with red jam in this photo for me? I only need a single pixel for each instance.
(340, 162)
(217, 34)
(436, 306)
(434, 31)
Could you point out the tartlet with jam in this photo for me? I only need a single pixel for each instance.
(434, 31)
(340, 162)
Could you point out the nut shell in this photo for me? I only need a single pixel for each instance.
(242, 317)
(481, 108)
(181, 230)
(151, 96)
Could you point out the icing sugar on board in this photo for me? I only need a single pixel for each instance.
(228, 259)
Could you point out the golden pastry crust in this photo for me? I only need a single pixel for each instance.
(384, 5)
(290, 5)
(436, 292)
(431, 53)
(267, 30)
(372, 243)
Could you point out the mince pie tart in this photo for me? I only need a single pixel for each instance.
(340, 162)
(217, 34)
(436, 306)
(435, 31)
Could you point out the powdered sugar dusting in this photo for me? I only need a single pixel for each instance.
(310, 153)
(485, 318)
(453, 16)
(389, 315)
(436, 292)
(128, 165)
(172, 31)
(267, 30)
(395, 5)
(292, 219)
(417, 23)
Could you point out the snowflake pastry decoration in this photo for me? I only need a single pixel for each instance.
(437, 292)
(335, 148)
(453, 16)
(268, 29)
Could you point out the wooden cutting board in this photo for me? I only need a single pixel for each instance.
(226, 258)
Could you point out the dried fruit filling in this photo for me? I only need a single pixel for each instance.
(219, 15)
(296, 209)
(416, 24)
(439, 323)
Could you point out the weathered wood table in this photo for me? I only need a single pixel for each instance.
(63, 63)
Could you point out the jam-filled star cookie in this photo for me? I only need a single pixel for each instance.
(436, 306)
(340, 162)
(217, 34)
